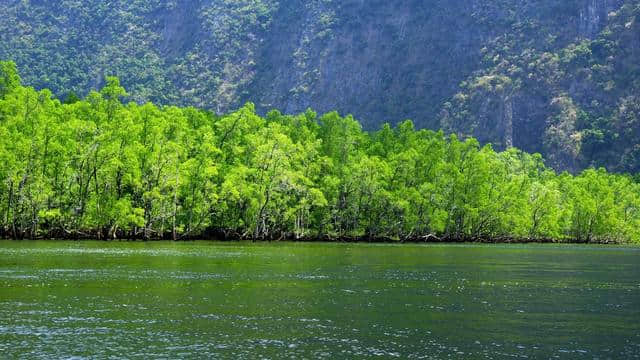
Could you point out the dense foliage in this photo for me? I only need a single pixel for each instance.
(180, 52)
(102, 168)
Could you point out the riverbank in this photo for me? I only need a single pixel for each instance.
(229, 236)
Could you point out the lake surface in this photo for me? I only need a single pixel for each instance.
(333, 301)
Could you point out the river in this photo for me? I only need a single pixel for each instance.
(137, 300)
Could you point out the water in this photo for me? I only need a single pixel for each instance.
(213, 300)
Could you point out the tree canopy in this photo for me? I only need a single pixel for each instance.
(102, 168)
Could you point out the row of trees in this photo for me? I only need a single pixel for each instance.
(100, 168)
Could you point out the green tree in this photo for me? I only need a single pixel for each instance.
(9, 78)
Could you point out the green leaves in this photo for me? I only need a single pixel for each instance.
(96, 167)
(9, 79)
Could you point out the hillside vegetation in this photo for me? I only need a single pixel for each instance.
(559, 77)
(98, 167)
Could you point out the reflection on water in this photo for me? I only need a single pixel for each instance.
(203, 300)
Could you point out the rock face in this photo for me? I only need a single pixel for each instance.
(594, 14)
(380, 60)
(505, 71)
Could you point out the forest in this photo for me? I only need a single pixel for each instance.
(101, 167)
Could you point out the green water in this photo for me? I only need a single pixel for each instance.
(334, 301)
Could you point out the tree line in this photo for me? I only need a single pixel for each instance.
(101, 168)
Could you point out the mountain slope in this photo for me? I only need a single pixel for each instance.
(577, 104)
(541, 75)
